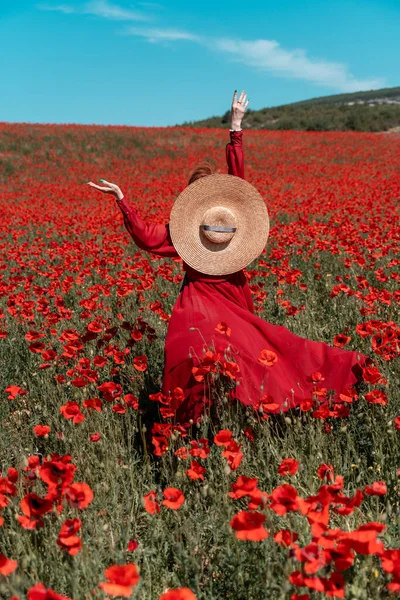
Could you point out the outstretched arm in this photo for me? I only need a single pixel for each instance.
(234, 149)
(149, 237)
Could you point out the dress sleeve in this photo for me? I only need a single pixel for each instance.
(149, 237)
(234, 154)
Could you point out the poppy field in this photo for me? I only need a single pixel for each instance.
(102, 494)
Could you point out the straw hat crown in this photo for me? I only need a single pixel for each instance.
(219, 224)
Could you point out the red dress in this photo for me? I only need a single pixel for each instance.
(205, 301)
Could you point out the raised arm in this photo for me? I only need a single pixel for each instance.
(149, 237)
(235, 155)
(234, 149)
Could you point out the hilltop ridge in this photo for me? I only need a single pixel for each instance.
(375, 110)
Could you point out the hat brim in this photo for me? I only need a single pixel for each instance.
(252, 224)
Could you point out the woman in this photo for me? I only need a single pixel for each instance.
(213, 323)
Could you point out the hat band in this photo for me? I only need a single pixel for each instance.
(219, 229)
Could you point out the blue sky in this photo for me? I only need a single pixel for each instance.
(162, 63)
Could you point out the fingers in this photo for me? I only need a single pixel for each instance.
(99, 187)
(242, 95)
(234, 97)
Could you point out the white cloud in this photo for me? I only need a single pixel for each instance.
(156, 35)
(265, 55)
(99, 8)
(268, 55)
(64, 8)
(112, 11)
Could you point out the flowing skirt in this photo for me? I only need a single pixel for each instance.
(280, 378)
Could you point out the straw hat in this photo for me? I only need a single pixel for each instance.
(219, 224)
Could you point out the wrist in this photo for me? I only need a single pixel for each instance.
(236, 125)
(119, 197)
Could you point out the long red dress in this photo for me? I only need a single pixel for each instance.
(205, 301)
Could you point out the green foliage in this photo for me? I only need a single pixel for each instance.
(332, 113)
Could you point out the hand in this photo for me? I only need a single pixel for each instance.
(238, 109)
(108, 188)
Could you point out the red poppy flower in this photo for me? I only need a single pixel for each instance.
(248, 432)
(39, 592)
(345, 506)
(14, 391)
(348, 395)
(223, 329)
(376, 397)
(32, 336)
(95, 437)
(56, 472)
(136, 335)
(182, 453)
(150, 504)
(363, 540)
(249, 526)
(178, 594)
(7, 566)
(34, 506)
(306, 404)
(41, 430)
(257, 499)
(132, 401)
(244, 486)
(285, 537)
(69, 542)
(140, 363)
(390, 561)
(284, 499)
(121, 580)
(233, 454)
(223, 437)
(196, 471)
(268, 405)
(94, 403)
(200, 448)
(371, 374)
(176, 398)
(174, 498)
(378, 488)
(79, 495)
(7, 487)
(230, 369)
(110, 390)
(72, 411)
(341, 340)
(327, 471)
(30, 524)
(160, 444)
(94, 326)
(70, 526)
(397, 423)
(12, 475)
(200, 372)
(132, 545)
(315, 377)
(268, 358)
(288, 466)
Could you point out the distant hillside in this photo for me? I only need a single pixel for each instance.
(377, 110)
